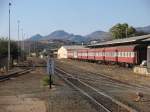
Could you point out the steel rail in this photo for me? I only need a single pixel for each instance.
(94, 89)
(14, 74)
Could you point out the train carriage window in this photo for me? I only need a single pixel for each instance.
(125, 54)
(118, 54)
(101, 53)
(132, 54)
(105, 54)
(129, 54)
(121, 54)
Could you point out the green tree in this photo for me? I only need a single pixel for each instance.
(122, 31)
(4, 48)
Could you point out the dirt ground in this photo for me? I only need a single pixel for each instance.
(123, 90)
(26, 94)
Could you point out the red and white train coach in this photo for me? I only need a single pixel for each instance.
(100, 54)
(110, 54)
(91, 54)
(83, 54)
(127, 54)
(132, 54)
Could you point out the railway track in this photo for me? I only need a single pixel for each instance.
(14, 74)
(86, 75)
(101, 101)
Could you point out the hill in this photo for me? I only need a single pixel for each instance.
(99, 35)
(65, 36)
(35, 37)
(145, 29)
(59, 34)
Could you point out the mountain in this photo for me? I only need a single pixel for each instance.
(77, 39)
(59, 34)
(145, 29)
(35, 37)
(64, 36)
(99, 35)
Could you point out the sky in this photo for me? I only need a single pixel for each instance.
(74, 16)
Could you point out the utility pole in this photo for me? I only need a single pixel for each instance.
(126, 32)
(22, 54)
(23, 42)
(9, 39)
(18, 37)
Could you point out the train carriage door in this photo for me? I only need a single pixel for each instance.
(141, 54)
(148, 58)
(75, 54)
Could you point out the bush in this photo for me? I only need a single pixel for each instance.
(45, 81)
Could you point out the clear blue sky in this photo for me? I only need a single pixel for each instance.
(74, 16)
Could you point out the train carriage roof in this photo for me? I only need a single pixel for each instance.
(127, 47)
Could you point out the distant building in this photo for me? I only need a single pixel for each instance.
(62, 52)
(33, 54)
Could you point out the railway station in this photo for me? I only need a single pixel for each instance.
(74, 56)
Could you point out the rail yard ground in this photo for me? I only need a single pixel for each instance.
(118, 82)
(27, 94)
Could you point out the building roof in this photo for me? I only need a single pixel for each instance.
(146, 40)
(74, 47)
(121, 41)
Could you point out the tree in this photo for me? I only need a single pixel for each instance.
(122, 31)
(4, 48)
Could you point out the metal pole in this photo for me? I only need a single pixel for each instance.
(50, 81)
(9, 40)
(23, 42)
(18, 38)
(22, 54)
(126, 32)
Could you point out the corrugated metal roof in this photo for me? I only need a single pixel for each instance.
(146, 40)
(74, 47)
(125, 40)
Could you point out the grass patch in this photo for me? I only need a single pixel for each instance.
(45, 81)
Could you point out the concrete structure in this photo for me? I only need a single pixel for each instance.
(62, 52)
(141, 70)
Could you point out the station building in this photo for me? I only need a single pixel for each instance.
(63, 51)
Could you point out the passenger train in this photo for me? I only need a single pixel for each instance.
(127, 54)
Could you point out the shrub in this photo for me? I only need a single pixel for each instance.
(45, 81)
